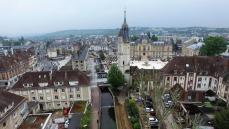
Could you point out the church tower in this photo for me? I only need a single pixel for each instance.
(124, 48)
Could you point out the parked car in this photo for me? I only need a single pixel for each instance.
(66, 124)
(148, 98)
(167, 99)
(148, 104)
(59, 120)
(149, 110)
(167, 105)
(153, 121)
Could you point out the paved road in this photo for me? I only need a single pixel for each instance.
(93, 73)
(75, 121)
(95, 100)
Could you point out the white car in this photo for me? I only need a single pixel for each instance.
(66, 124)
(148, 110)
(153, 120)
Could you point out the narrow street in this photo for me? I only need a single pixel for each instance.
(95, 97)
(93, 72)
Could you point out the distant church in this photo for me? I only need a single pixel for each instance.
(124, 47)
(143, 49)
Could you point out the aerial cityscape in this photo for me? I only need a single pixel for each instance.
(124, 64)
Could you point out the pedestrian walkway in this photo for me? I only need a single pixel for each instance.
(122, 116)
(95, 97)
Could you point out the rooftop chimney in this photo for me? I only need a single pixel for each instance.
(50, 75)
(65, 75)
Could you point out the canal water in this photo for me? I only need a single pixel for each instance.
(107, 110)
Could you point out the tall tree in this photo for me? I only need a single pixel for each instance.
(115, 77)
(21, 41)
(213, 46)
(154, 38)
(222, 119)
(134, 38)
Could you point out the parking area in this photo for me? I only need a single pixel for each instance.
(148, 115)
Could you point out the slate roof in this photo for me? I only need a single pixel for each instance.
(51, 77)
(11, 61)
(202, 65)
(82, 54)
(6, 99)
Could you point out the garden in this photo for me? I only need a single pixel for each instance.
(133, 113)
(79, 107)
(85, 121)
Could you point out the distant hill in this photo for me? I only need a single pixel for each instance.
(69, 33)
(185, 31)
(86, 32)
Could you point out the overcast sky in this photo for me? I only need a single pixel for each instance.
(29, 17)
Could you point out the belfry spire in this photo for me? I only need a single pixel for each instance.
(125, 17)
(124, 31)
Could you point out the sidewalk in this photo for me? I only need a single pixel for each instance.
(95, 100)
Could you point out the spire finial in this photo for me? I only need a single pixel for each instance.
(125, 16)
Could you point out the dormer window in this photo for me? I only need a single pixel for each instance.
(58, 83)
(28, 84)
(175, 71)
(187, 65)
(201, 73)
(43, 84)
(73, 83)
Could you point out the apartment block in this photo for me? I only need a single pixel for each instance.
(80, 60)
(14, 65)
(13, 110)
(54, 90)
(199, 74)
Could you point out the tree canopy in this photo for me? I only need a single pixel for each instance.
(222, 119)
(115, 77)
(213, 46)
(134, 38)
(154, 38)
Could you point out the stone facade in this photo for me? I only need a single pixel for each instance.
(12, 66)
(199, 74)
(146, 49)
(14, 110)
(54, 90)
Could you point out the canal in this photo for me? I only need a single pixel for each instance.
(107, 110)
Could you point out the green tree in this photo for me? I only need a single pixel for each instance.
(132, 108)
(115, 77)
(21, 41)
(137, 125)
(222, 119)
(134, 38)
(154, 38)
(213, 46)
